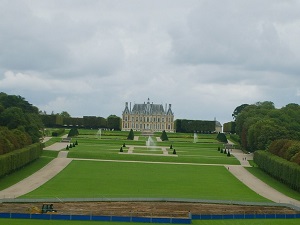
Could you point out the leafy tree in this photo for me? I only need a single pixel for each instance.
(222, 137)
(114, 122)
(238, 110)
(65, 114)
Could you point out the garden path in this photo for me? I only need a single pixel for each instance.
(253, 182)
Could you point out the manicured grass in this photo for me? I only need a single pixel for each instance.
(24, 172)
(274, 183)
(205, 153)
(200, 222)
(139, 180)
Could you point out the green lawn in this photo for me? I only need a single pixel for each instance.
(200, 222)
(90, 179)
(21, 174)
(274, 183)
(205, 153)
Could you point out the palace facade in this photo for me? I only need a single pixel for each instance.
(148, 117)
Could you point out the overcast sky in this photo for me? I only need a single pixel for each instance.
(205, 57)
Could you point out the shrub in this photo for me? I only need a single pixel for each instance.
(174, 152)
(58, 132)
(130, 135)
(171, 147)
(228, 153)
(164, 136)
(121, 149)
(73, 132)
(67, 148)
(222, 137)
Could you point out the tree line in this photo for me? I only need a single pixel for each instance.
(259, 124)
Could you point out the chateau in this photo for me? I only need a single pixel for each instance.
(148, 117)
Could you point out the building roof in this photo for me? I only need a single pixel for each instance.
(148, 108)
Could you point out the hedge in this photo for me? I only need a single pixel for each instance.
(222, 137)
(19, 158)
(279, 168)
(58, 132)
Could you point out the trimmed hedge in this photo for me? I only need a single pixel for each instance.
(19, 158)
(222, 138)
(164, 136)
(279, 168)
(58, 132)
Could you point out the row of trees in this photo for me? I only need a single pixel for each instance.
(14, 139)
(287, 149)
(17, 113)
(17, 159)
(190, 126)
(279, 168)
(259, 124)
(90, 122)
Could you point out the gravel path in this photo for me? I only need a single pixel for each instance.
(254, 183)
(37, 179)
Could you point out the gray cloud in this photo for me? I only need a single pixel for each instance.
(203, 57)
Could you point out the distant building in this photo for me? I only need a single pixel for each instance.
(218, 127)
(148, 117)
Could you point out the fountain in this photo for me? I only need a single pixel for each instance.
(195, 137)
(150, 142)
(99, 134)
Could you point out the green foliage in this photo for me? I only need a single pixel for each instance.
(222, 137)
(174, 152)
(94, 122)
(130, 135)
(114, 122)
(17, 113)
(287, 149)
(228, 153)
(219, 148)
(279, 168)
(164, 136)
(73, 132)
(58, 132)
(238, 110)
(76, 142)
(259, 124)
(52, 120)
(190, 126)
(19, 158)
(171, 146)
(67, 148)
(229, 127)
(11, 140)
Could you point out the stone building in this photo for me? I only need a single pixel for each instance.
(148, 117)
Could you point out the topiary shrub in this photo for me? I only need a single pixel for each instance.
(76, 142)
(219, 149)
(124, 145)
(222, 137)
(171, 147)
(130, 135)
(164, 136)
(121, 149)
(174, 152)
(228, 153)
(73, 132)
(67, 148)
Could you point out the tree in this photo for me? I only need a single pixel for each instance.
(114, 122)
(65, 114)
(238, 110)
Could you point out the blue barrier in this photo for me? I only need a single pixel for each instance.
(141, 219)
(101, 218)
(147, 219)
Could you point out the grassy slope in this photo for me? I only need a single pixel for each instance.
(120, 179)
